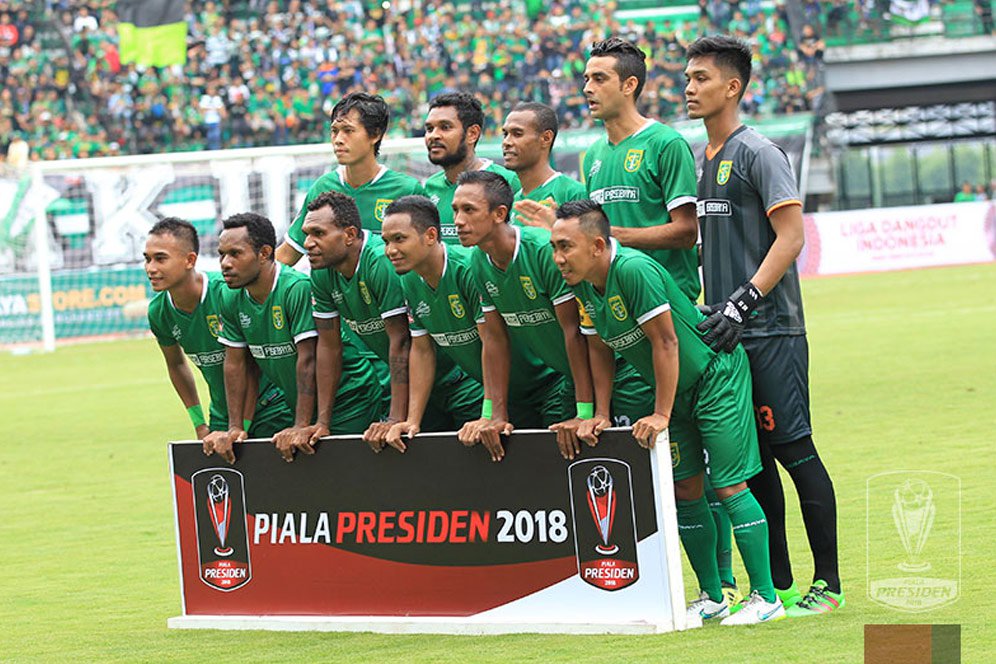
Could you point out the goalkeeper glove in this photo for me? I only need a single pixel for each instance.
(725, 325)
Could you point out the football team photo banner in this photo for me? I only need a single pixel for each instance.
(438, 539)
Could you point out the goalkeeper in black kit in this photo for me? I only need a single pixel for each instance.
(750, 215)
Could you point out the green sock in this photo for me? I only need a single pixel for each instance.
(724, 536)
(698, 536)
(750, 528)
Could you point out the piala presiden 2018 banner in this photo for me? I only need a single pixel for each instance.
(439, 532)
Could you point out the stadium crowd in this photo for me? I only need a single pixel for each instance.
(266, 73)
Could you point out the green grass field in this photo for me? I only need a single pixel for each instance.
(903, 378)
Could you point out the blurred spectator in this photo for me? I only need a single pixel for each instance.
(966, 193)
(266, 72)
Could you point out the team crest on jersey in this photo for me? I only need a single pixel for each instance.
(380, 206)
(278, 317)
(675, 454)
(456, 306)
(724, 171)
(214, 325)
(618, 308)
(633, 160)
(365, 293)
(528, 288)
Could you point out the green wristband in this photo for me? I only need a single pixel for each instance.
(486, 409)
(586, 410)
(196, 414)
(246, 425)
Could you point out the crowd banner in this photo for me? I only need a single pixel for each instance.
(438, 539)
(899, 238)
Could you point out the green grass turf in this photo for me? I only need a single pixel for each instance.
(903, 378)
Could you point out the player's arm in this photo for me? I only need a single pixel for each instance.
(182, 379)
(422, 370)
(328, 372)
(306, 383)
(603, 373)
(577, 357)
(786, 221)
(495, 359)
(287, 254)
(680, 233)
(252, 394)
(399, 345)
(659, 331)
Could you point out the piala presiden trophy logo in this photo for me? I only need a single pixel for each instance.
(222, 538)
(604, 522)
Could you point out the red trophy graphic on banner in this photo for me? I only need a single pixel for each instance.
(220, 509)
(602, 503)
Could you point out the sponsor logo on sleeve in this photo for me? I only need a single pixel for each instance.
(713, 207)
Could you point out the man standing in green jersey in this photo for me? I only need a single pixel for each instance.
(359, 124)
(444, 302)
(642, 172)
(353, 280)
(185, 317)
(452, 129)
(528, 135)
(752, 232)
(514, 269)
(702, 400)
(270, 318)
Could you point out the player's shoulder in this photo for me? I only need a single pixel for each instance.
(534, 237)
(510, 176)
(399, 180)
(634, 261)
(459, 255)
(751, 144)
(158, 306)
(290, 278)
(436, 180)
(326, 182)
(660, 134)
(569, 189)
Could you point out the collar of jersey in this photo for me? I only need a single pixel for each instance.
(650, 122)
(273, 286)
(341, 172)
(485, 165)
(556, 174)
(204, 293)
(446, 262)
(365, 235)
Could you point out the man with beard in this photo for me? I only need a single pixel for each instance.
(452, 130)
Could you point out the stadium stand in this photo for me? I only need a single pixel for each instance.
(266, 73)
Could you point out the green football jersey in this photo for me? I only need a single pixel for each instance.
(525, 294)
(450, 314)
(637, 290)
(273, 329)
(197, 334)
(440, 191)
(639, 181)
(371, 198)
(558, 189)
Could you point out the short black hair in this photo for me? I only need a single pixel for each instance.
(730, 53)
(372, 109)
(178, 228)
(630, 60)
(344, 210)
(590, 215)
(546, 117)
(261, 233)
(497, 191)
(423, 212)
(467, 106)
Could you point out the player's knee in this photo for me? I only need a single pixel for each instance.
(688, 489)
(724, 492)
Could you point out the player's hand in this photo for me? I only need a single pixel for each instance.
(221, 443)
(470, 433)
(534, 213)
(591, 429)
(376, 434)
(399, 430)
(725, 325)
(708, 309)
(318, 431)
(294, 438)
(648, 428)
(202, 432)
(567, 437)
(491, 438)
